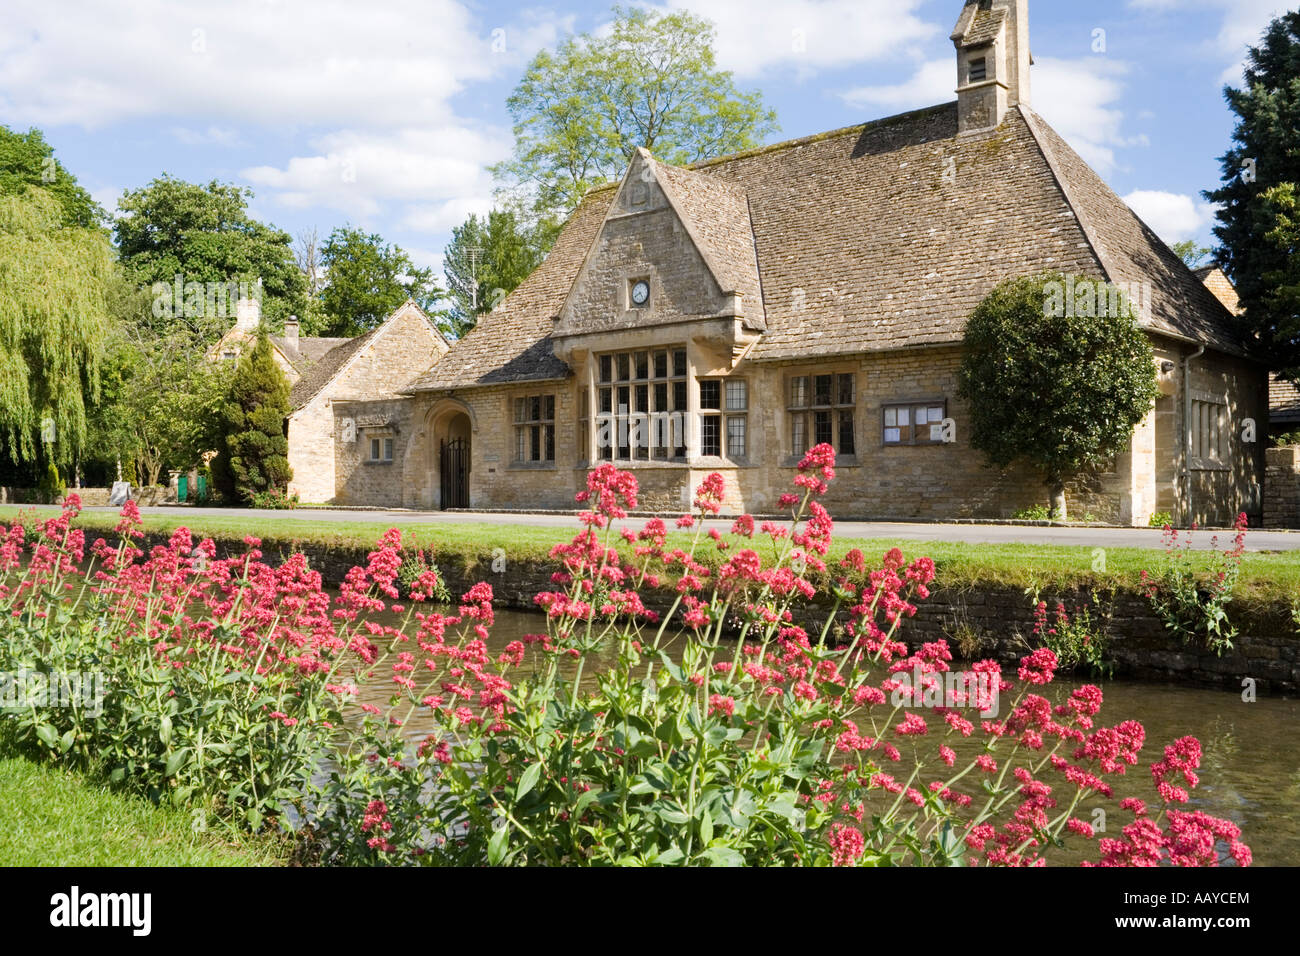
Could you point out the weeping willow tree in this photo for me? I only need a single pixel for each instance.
(53, 325)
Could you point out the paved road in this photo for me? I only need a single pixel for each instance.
(971, 534)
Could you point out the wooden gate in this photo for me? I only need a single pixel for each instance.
(454, 461)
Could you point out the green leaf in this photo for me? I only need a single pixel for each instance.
(706, 826)
(49, 736)
(165, 730)
(528, 780)
(497, 846)
(176, 760)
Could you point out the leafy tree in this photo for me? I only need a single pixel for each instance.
(255, 453)
(53, 321)
(1051, 386)
(1191, 252)
(367, 279)
(1257, 172)
(486, 259)
(27, 160)
(651, 80)
(172, 228)
(160, 399)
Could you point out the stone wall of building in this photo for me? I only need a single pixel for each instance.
(404, 348)
(880, 481)
(1282, 488)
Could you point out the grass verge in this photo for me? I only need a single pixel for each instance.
(50, 817)
(1266, 577)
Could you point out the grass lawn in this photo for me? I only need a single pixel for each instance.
(1265, 576)
(50, 817)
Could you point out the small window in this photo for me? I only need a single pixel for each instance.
(913, 423)
(724, 423)
(388, 449)
(979, 70)
(374, 449)
(1209, 431)
(821, 412)
(381, 450)
(535, 428)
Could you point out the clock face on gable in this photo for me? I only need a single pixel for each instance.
(640, 292)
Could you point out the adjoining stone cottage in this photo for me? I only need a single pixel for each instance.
(729, 315)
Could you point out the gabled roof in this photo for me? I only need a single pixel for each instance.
(309, 351)
(716, 215)
(319, 375)
(872, 238)
(983, 27)
(512, 342)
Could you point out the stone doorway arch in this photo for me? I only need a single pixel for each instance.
(448, 464)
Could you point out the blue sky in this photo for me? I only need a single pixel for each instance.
(386, 113)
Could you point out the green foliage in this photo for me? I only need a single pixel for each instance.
(413, 566)
(27, 160)
(1194, 606)
(486, 259)
(204, 234)
(253, 458)
(368, 280)
(1061, 392)
(1161, 519)
(1035, 513)
(1256, 202)
(650, 80)
(160, 399)
(1080, 639)
(53, 322)
(1191, 252)
(274, 500)
(1288, 438)
(52, 486)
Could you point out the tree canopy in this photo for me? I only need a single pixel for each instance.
(26, 159)
(53, 323)
(1260, 173)
(1058, 388)
(651, 80)
(366, 279)
(486, 259)
(204, 234)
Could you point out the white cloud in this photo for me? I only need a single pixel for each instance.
(756, 35)
(359, 173)
(934, 82)
(301, 62)
(1173, 216)
(212, 136)
(1078, 98)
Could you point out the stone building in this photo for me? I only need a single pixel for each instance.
(729, 315)
(1283, 395)
(349, 428)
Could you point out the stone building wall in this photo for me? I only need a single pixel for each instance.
(1282, 488)
(404, 348)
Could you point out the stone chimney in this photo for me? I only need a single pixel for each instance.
(291, 332)
(248, 315)
(992, 41)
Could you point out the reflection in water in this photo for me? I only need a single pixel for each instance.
(1250, 773)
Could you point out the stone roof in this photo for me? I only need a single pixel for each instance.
(716, 213)
(512, 342)
(1283, 400)
(319, 373)
(876, 237)
(985, 27)
(322, 372)
(310, 350)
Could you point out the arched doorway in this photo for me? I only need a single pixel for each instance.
(454, 462)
